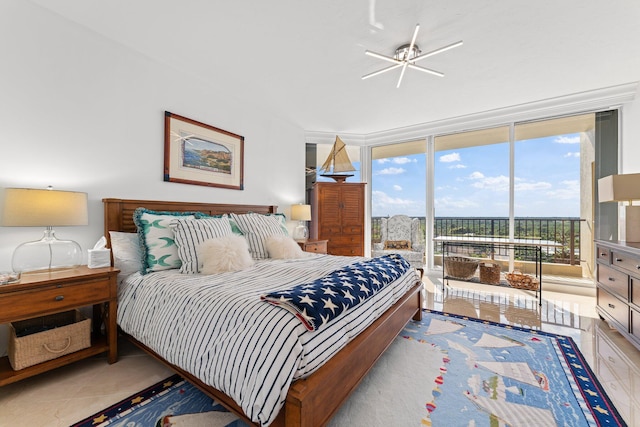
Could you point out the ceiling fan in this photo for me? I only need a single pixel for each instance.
(406, 56)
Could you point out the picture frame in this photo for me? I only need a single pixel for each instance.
(200, 154)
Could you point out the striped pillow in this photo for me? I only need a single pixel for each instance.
(189, 234)
(256, 228)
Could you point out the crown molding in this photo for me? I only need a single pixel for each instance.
(582, 102)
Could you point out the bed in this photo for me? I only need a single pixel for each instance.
(313, 399)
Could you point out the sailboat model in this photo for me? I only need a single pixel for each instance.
(337, 162)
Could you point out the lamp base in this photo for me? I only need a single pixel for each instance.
(48, 253)
(301, 232)
(632, 224)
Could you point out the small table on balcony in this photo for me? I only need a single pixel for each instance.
(498, 243)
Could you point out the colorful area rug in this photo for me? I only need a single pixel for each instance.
(446, 370)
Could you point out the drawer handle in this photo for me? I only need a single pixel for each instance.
(603, 254)
(611, 359)
(611, 305)
(612, 279)
(618, 259)
(59, 298)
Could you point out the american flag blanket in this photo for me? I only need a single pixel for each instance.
(318, 302)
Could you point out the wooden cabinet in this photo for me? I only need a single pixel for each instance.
(618, 286)
(39, 294)
(337, 215)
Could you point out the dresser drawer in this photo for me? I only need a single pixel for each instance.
(614, 362)
(626, 262)
(30, 303)
(346, 251)
(615, 281)
(635, 323)
(603, 254)
(615, 308)
(352, 230)
(634, 289)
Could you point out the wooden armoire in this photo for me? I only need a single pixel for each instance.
(337, 215)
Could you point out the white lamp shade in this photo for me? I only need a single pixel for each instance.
(301, 212)
(619, 188)
(26, 207)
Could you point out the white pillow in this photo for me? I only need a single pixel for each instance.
(256, 228)
(190, 233)
(126, 252)
(222, 254)
(284, 247)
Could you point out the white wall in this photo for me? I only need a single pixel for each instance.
(80, 112)
(630, 138)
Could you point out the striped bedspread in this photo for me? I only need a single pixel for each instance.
(217, 328)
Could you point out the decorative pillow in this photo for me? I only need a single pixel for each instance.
(284, 247)
(126, 252)
(159, 251)
(256, 228)
(222, 254)
(398, 244)
(190, 233)
(234, 225)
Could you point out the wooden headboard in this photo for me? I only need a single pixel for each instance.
(118, 213)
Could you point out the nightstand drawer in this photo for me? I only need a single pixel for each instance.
(36, 302)
(319, 247)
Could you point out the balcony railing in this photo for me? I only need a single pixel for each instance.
(565, 231)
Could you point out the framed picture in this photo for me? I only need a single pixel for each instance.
(199, 154)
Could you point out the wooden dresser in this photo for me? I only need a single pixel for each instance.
(337, 215)
(618, 286)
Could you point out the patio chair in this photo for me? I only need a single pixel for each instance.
(401, 234)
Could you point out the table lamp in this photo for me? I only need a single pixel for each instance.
(301, 213)
(26, 207)
(623, 188)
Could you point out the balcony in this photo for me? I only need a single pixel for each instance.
(564, 231)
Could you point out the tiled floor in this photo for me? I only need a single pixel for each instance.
(68, 394)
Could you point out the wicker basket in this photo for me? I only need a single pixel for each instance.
(522, 281)
(44, 338)
(490, 273)
(459, 267)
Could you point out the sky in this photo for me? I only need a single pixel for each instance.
(474, 182)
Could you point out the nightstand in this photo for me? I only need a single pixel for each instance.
(40, 294)
(315, 246)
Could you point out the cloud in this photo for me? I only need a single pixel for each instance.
(570, 190)
(572, 154)
(391, 171)
(383, 161)
(383, 205)
(397, 187)
(532, 186)
(403, 160)
(446, 203)
(575, 139)
(457, 166)
(501, 183)
(448, 158)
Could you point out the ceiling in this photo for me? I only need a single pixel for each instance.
(303, 60)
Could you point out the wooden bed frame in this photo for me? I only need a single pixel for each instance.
(311, 401)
